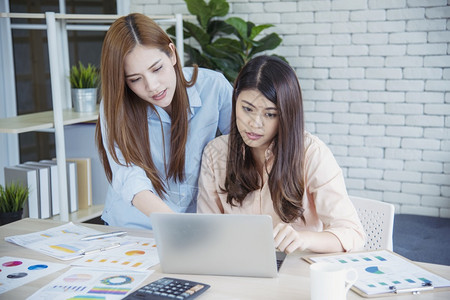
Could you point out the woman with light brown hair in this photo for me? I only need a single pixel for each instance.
(270, 165)
(155, 119)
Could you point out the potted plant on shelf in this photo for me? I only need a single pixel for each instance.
(84, 82)
(12, 199)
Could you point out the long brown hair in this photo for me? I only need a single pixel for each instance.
(126, 114)
(277, 81)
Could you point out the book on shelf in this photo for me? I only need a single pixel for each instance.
(84, 181)
(29, 178)
(45, 200)
(72, 185)
(54, 186)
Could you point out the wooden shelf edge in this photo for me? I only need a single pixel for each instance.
(83, 215)
(43, 120)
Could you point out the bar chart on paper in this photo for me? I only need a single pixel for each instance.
(383, 272)
(140, 254)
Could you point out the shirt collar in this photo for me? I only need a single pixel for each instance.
(194, 99)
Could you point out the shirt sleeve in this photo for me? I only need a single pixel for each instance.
(127, 181)
(208, 200)
(325, 185)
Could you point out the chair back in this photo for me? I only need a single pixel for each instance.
(377, 219)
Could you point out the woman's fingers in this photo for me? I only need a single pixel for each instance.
(286, 238)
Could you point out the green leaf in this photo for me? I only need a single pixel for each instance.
(218, 26)
(240, 25)
(13, 196)
(172, 32)
(205, 12)
(217, 54)
(257, 30)
(219, 8)
(199, 9)
(198, 34)
(196, 57)
(84, 77)
(268, 42)
(224, 60)
(230, 68)
(227, 44)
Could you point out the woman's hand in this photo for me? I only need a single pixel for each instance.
(287, 239)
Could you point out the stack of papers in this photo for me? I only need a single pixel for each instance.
(64, 242)
(107, 268)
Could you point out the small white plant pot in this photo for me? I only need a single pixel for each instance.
(84, 100)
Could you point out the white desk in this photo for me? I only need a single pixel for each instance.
(292, 282)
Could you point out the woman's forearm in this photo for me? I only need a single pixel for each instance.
(148, 203)
(287, 239)
(322, 242)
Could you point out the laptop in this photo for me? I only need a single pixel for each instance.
(216, 244)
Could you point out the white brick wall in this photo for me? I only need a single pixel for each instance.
(375, 76)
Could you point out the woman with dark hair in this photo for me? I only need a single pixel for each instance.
(269, 164)
(154, 122)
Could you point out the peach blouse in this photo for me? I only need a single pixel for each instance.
(326, 202)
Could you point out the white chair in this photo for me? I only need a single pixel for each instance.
(377, 219)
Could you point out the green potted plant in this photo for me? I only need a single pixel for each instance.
(84, 81)
(223, 45)
(12, 199)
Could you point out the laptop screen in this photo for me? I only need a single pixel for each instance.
(215, 244)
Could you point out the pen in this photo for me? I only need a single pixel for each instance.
(103, 235)
(101, 249)
(415, 291)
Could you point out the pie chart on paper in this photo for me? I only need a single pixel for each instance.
(12, 263)
(374, 270)
(37, 267)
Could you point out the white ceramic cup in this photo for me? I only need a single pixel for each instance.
(331, 281)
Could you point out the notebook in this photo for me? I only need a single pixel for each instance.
(216, 244)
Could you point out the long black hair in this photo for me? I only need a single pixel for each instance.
(277, 81)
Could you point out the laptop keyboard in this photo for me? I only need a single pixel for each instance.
(280, 259)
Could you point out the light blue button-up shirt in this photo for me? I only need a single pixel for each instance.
(210, 109)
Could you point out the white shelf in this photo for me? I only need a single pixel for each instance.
(43, 120)
(79, 17)
(83, 215)
(62, 114)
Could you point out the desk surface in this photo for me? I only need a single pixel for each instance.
(292, 282)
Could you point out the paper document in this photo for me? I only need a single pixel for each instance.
(16, 271)
(382, 271)
(64, 242)
(85, 283)
(141, 254)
